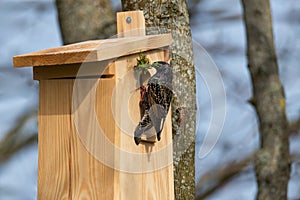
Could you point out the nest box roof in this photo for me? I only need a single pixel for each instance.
(94, 50)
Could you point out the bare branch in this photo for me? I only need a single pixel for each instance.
(294, 127)
(12, 141)
(221, 176)
(14, 149)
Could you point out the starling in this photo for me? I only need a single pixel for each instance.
(156, 101)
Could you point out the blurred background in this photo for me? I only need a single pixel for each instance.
(31, 25)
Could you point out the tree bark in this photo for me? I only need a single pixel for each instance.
(172, 17)
(272, 163)
(82, 20)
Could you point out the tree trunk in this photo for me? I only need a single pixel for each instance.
(172, 16)
(272, 163)
(85, 20)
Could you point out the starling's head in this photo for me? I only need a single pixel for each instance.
(162, 66)
(163, 75)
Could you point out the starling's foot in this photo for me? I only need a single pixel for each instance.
(137, 140)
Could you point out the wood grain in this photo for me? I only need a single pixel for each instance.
(96, 69)
(92, 179)
(89, 69)
(54, 140)
(153, 175)
(67, 170)
(134, 27)
(92, 51)
(67, 160)
(145, 176)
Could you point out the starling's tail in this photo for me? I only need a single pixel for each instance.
(159, 127)
(158, 135)
(144, 125)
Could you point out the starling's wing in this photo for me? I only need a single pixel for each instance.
(145, 123)
(156, 102)
(143, 104)
(141, 78)
(159, 98)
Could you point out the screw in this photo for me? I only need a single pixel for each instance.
(128, 20)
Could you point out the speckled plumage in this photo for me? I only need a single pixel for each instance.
(157, 100)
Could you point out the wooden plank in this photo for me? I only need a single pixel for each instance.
(89, 69)
(141, 184)
(135, 182)
(106, 122)
(92, 51)
(54, 140)
(131, 23)
(92, 179)
(67, 170)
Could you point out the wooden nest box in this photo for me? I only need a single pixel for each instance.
(88, 111)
